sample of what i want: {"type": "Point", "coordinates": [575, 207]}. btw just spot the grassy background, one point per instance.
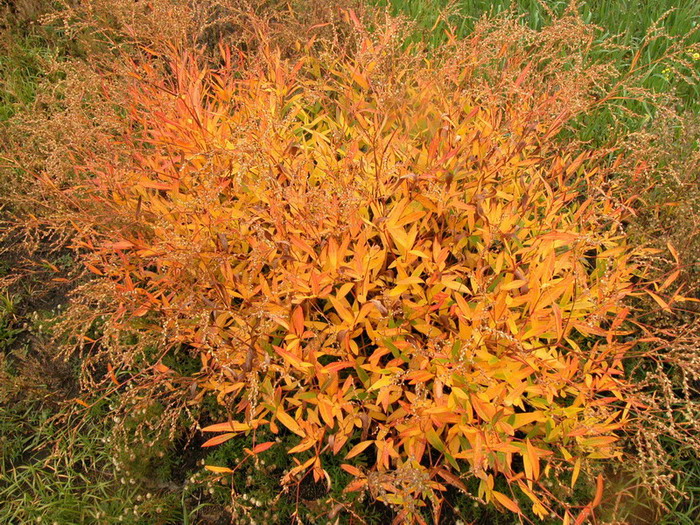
{"type": "Point", "coordinates": [628, 24]}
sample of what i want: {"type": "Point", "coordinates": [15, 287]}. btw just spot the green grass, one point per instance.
{"type": "Point", "coordinates": [61, 471]}
{"type": "Point", "coordinates": [636, 506]}
{"type": "Point", "coordinates": [624, 23]}
{"type": "Point", "coordinates": [631, 17]}
{"type": "Point", "coordinates": [22, 65]}
{"type": "Point", "coordinates": [684, 511]}
{"type": "Point", "coordinates": [627, 21]}
{"type": "Point", "coordinates": [59, 463]}
{"type": "Point", "coordinates": [9, 326]}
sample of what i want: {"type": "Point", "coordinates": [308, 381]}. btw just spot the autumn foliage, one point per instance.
{"type": "Point", "coordinates": [367, 255]}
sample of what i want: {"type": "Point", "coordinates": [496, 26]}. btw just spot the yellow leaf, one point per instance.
{"type": "Point", "coordinates": [358, 449]}
{"type": "Point", "coordinates": [534, 460]}
{"type": "Point", "coordinates": [525, 418]}
{"type": "Point", "coordinates": [457, 286]}
{"type": "Point", "coordinates": [289, 422]}
{"type": "Point", "coordinates": [401, 239]}
{"type": "Point", "coordinates": [576, 472]}
{"type": "Point", "coordinates": [305, 444]}
{"type": "Point", "coordinates": [410, 280]}
{"type": "Point", "coordinates": [514, 284]}
{"type": "Point", "coordinates": [611, 252]}
{"type": "Point", "coordinates": [345, 315]}
{"type": "Point", "coordinates": [506, 501]}
{"type": "Point", "coordinates": [673, 252]}
{"type": "Point", "coordinates": [299, 468]}
{"type": "Point", "coordinates": [293, 360]}
{"type": "Point", "coordinates": [360, 79]}
{"type": "Point", "coordinates": [663, 304]}
{"type": "Point", "coordinates": [218, 470]}
{"type": "Point", "coordinates": [381, 382]}
{"type": "Point", "coordinates": [599, 441]}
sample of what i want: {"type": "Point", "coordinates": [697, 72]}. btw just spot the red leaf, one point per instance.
{"type": "Point", "coordinates": [262, 447]}
{"type": "Point", "coordinates": [337, 366]}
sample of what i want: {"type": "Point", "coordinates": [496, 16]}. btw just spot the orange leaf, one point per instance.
{"type": "Point", "coordinates": [514, 284]}
{"type": "Point", "coordinates": [351, 470]}
{"type": "Point", "coordinates": [534, 460]}
{"type": "Point", "coordinates": [522, 75]}
{"type": "Point", "coordinates": [230, 426]}
{"type": "Point", "coordinates": [112, 376]}
{"type": "Point", "coordinates": [289, 422]}
{"type": "Point", "coordinates": [356, 485]}
{"type": "Point", "coordinates": [219, 439]}
{"type": "Point", "coordinates": [93, 269]}
{"type": "Point", "coordinates": [298, 321]}
{"type": "Point", "coordinates": [673, 252]}
{"type": "Point", "coordinates": [598, 491]}
{"type": "Point", "coordinates": [121, 245]}
{"type": "Point", "coordinates": [506, 501]}
{"type": "Point", "coordinates": [305, 444]}
{"type": "Point", "coordinates": [358, 449]}
{"type": "Point", "coordinates": [160, 367]}
{"type": "Point", "coordinates": [293, 360]}
{"type": "Point", "coordinates": [583, 516]}
{"type": "Point", "coordinates": [663, 304]}
{"type": "Point", "coordinates": [337, 366]}
{"type": "Point", "coordinates": [262, 447]}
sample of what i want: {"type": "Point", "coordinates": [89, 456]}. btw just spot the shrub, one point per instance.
{"type": "Point", "coordinates": [368, 255]}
